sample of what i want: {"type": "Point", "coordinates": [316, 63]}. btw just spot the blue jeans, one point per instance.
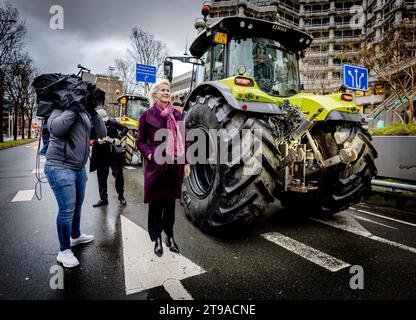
{"type": "Point", "coordinates": [69, 188]}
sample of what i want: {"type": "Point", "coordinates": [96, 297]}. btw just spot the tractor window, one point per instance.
{"type": "Point", "coordinates": [274, 68]}
{"type": "Point", "coordinates": [218, 62]}
{"type": "Point", "coordinates": [214, 65]}
{"type": "Point", "coordinates": [135, 108]}
{"type": "Point", "coordinates": [207, 67]}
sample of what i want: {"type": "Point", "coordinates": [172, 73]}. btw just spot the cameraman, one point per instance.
{"type": "Point", "coordinates": [67, 154]}
{"type": "Point", "coordinates": [106, 154]}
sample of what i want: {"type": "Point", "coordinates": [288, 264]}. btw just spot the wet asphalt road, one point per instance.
{"type": "Point", "coordinates": [240, 265]}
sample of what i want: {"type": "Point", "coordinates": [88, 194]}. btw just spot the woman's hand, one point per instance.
{"type": "Point", "coordinates": [149, 157]}
{"type": "Point", "coordinates": [187, 170]}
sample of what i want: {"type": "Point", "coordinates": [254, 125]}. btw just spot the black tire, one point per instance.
{"type": "Point", "coordinates": [341, 185]}
{"type": "Point", "coordinates": [129, 144]}
{"type": "Point", "coordinates": [221, 195]}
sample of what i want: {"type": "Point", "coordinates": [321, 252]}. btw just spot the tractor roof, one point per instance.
{"type": "Point", "coordinates": [292, 39]}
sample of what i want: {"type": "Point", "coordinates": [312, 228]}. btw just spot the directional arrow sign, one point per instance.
{"type": "Point", "coordinates": [354, 77]}
{"type": "Point", "coordinates": [145, 73]}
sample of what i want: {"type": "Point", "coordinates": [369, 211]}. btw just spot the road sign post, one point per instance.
{"type": "Point", "coordinates": [145, 73]}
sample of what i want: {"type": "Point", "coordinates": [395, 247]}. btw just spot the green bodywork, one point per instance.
{"type": "Point", "coordinates": [128, 122]}
{"type": "Point", "coordinates": [309, 103]}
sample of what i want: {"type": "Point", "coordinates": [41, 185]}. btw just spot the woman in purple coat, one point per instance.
{"type": "Point", "coordinates": [164, 163]}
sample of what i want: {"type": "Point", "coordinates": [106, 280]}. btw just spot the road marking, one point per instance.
{"type": "Point", "coordinates": [35, 171]}
{"type": "Point", "coordinates": [176, 290]}
{"type": "Point", "coordinates": [130, 168]}
{"type": "Point", "coordinates": [375, 222]}
{"type": "Point", "coordinates": [143, 270]}
{"type": "Point", "coordinates": [23, 195]}
{"type": "Point", "coordinates": [384, 217]}
{"type": "Point", "coordinates": [339, 225]}
{"type": "Point", "coordinates": [315, 256]}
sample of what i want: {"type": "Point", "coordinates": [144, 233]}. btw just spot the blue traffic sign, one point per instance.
{"type": "Point", "coordinates": [145, 73]}
{"type": "Point", "coordinates": [355, 78]}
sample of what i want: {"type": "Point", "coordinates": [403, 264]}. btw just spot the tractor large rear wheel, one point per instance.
{"type": "Point", "coordinates": [129, 144]}
{"type": "Point", "coordinates": [222, 193]}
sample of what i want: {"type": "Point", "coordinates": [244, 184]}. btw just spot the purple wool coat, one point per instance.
{"type": "Point", "coordinates": [161, 181]}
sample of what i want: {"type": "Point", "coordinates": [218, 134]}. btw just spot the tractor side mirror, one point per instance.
{"type": "Point", "coordinates": [168, 70]}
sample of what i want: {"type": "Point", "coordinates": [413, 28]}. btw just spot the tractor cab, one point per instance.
{"type": "Point", "coordinates": [265, 51]}
{"type": "Point", "coordinates": [131, 107]}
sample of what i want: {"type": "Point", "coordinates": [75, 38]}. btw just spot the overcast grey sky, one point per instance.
{"type": "Point", "coordinates": [96, 32]}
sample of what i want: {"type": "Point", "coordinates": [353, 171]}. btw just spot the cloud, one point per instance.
{"type": "Point", "coordinates": [96, 32]}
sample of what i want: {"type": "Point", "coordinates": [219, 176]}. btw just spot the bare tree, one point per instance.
{"type": "Point", "coordinates": [31, 106]}
{"type": "Point", "coordinates": [18, 89]}
{"type": "Point", "coordinates": [12, 32]}
{"type": "Point", "coordinates": [144, 49]}
{"type": "Point", "coordinates": [393, 60]}
{"type": "Point", "coordinates": [127, 73]}
{"type": "Point", "coordinates": [316, 72]}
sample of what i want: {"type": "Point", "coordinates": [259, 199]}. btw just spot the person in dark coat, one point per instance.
{"type": "Point", "coordinates": [106, 155]}
{"type": "Point", "coordinates": [164, 167]}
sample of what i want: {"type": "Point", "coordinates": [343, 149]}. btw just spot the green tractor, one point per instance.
{"type": "Point", "coordinates": [131, 107]}
{"type": "Point", "coordinates": [315, 154]}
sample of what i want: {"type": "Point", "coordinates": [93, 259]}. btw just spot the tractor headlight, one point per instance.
{"type": "Point", "coordinates": [241, 70]}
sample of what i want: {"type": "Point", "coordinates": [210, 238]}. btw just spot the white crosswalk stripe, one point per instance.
{"type": "Point", "coordinates": [23, 195]}
{"type": "Point", "coordinates": [374, 222]}
{"type": "Point", "coordinates": [143, 270]}
{"type": "Point", "coordinates": [336, 222]}
{"type": "Point", "coordinates": [130, 168]}
{"type": "Point", "coordinates": [384, 217]}
{"type": "Point", "coordinates": [315, 256]}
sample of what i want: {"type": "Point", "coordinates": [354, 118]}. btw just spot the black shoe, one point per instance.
{"type": "Point", "coordinates": [170, 242]}
{"type": "Point", "coordinates": [100, 203]}
{"type": "Point", "coordinates": [158, 247]}
{"type": "Point", "coordinates": [123, 201]}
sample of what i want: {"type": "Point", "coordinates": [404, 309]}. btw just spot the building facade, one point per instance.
{"type": "Point", "coordinates": [180, 86]}
{"type": "Point", "coordinates": [111, 85]}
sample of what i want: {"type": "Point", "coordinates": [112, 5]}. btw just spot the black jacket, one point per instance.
{"type": "Point", "coordinates": [103, 154]}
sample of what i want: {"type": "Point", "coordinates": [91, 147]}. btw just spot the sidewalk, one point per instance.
{"type": "Point", "coordinates": [10, 138]}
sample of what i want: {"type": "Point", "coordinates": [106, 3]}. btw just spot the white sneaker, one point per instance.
{"type": "Point", "coordinates": [67, 258]}
{"type": "Point", "coordinates": [83, 238]}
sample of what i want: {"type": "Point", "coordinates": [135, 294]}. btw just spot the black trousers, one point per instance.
{"type": "Point", "coordinates": [102, 175]}
{"type": "Point", "coordinates": [161, 217]}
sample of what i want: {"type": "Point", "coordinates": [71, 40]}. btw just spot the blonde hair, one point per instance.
{"type": "Point", "coordinates": [152, 93]}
